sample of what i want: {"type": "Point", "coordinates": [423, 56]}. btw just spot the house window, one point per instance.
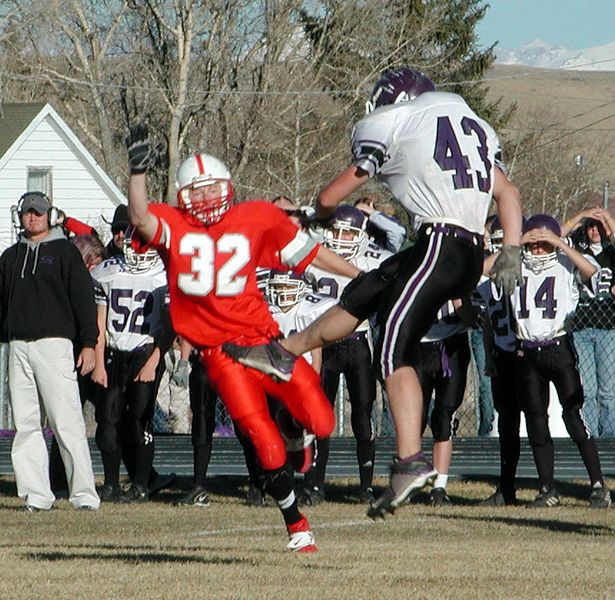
{"type": "Point", "coordinates": [39, 180]}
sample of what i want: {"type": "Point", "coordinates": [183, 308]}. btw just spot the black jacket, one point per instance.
{"type": "Point", "coordinates": [46, 291]}
{"type": "Point", "coordinates": [598, 310]}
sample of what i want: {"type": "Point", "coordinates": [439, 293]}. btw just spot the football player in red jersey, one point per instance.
{"type": "Point", "coordinates": [211, 248]}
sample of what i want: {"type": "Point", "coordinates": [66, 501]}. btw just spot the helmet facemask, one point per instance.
{"type": "Point", "coordinates": [139, 262]}
{"type": "Point", "coordinates": [537, 263]}
{"type": "Point", "coordinates": [337, 239]}
{"type": "Point", "coordinates": [212, 207]}
{"type": "Point", "coordinates": [496, 240]}
{"type": "Point", "coordinates": [285, 290]}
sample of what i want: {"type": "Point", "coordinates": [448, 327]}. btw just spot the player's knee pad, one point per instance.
{"type": "Point", "coordinates": [107, 438]}
{"type": "Point", "coordinates": [537, 430]}
{"type": "Point", "coordinates": [574, 424]}
{"type": "Point", "coordinates": [264, 436]}
{"type": "Point", "coordinates": [362, 426]}
{"type": "Point", "coordinates": [279, 484]}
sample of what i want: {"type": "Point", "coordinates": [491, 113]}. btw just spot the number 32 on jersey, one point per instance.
{"type": "Point", "coordinates": [203, 277]}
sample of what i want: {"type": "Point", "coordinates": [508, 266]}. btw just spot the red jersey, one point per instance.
{"type": "Point", "coordinates": [212, 269]}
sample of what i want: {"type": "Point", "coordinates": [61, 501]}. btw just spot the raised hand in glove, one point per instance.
{"type": "Point", "coordinates": [506, 271]}
{"type": "Point", "coordinates": [141, 154]}
{"type": "Point", "coordinates": [181, 373]}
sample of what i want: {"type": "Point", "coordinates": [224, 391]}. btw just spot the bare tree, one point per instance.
{"type": "Point", "coordinates": [542, 164]}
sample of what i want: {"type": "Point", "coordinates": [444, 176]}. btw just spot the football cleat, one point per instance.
{"type": "Point", "coordinates": [134, 495]}
{"type": "Point", "coordinates": [366, 496]}
{"type": "Point", "coordinates": [271, 359]}
{"type": "Point", "coordinates": [197, 496]}
{"type": "Point", "coordinates": [407, 478]}
{"type": "Point", "coordinates": [110, 493]}
{"type": "Point", "coordinates": [600, 497]}
{"type": "Point", "coordinates": [301, 538]}
{"type": "Point", "coordinates": [439, 497]}
{"type": "Point", "coordinates": [499, 498]}
{"type": "Point", "coordinates": [312, 496]}
{"type": "Point", "coordinates": [29, 508]}
{"type": "Point", "coordinates": [255, 496]}
{"type": "Point", "coordinates": [547, 498]}
{"type": "Point", "coordinates": [160, 482]}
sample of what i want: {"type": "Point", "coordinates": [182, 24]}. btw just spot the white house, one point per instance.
{"type": "Point", "coordinates": [39, 152]}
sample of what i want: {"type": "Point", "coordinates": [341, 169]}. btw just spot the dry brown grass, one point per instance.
{"type": "Point", "coordinates": [228, 550]}
{"type": "Point", "coordinates": [566, 100]}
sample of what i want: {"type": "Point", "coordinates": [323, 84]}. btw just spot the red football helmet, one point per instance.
{"type": "Point", "coordinates": [204, 189]}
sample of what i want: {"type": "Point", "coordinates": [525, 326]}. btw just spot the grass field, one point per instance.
{"type": "Point", "coordinates": [228, 550]}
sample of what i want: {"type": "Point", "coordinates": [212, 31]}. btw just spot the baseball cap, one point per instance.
{"type": "Point", "coordinates": [36, 201]}
{"type": "Point", "coordinates": [120, 220]}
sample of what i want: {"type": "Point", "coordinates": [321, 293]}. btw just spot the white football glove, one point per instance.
{"type": "Point", "coordinates": [181, 373]}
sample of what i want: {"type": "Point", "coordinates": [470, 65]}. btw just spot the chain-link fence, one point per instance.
{"type": "Point", "coordinates": [594, 340]}
{"type": "Point", "coordinates": [476, 416]}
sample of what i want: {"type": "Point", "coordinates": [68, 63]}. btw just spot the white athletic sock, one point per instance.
{"type": "Point", "coordinates": [441, 481]}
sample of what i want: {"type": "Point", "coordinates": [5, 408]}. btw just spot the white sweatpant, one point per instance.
{"type": "Point", "coordinates": [43, 381]}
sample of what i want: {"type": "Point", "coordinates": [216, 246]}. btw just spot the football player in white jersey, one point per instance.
{"type": "Point", "coordinates": [345, 234]}
{"type": "Point", "coordinates": [544, 306]}
{"type": "Point", "coordinates": [441, 364]}
{"type": "Point", "coordinates": [502, 349]}
{"type": "Point", "coordinates": [439, 161]}
{"type": "Point", "coordinates": [130, 293]}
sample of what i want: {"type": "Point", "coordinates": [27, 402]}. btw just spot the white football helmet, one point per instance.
{"type": "Point", "coordinates": [496, 236]}
{"type": "Point", "coordinates": [197, 173]}
{"type": "Point", "coordinates": [138, 262]}
{"type": "Point", "coordinates": [345, 219]}
{"type": "Point", "coordinates": [285, 288]}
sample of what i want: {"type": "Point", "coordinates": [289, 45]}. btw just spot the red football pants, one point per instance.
{"type": "Point", "coordinates": [244, 392]}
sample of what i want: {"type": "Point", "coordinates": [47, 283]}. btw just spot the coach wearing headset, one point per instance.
{"type": "Point", "coordinates": [46, 304]}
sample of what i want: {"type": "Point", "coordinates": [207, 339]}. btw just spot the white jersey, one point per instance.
{"type": "Point", "coordinates": [446, 324]}
{"type": "Point", "coordinates": [434, 154]}
{"type": "Point", "coordinates": [135, 302]}
{"type": "Point", "coordinates": [301, 315]}
{"type": "Point", "coordinates": [500, 313]}
{"type": "Point", "coordinates": [545, 304]}
{"type": "Point", "coordinates": [330, 285]}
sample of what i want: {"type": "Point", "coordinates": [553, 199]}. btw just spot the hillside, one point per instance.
{"type": "Point", "coordinates": [570, 100]}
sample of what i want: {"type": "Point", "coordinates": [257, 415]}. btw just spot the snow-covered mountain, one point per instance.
{"type": "Point", "coordinates": [540, 54]}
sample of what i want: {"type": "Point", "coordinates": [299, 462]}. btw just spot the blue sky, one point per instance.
{"type": "Point", "coordinates": [575, 24]}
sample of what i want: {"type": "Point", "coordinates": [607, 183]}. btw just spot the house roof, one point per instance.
{"type": "Point", "coordinates": [17, 121]}
{"type": "Point", "coordinates": [14, 119]}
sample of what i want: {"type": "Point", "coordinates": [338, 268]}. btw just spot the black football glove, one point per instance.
{"type": "Point", "coordinates": [506, 271]}
{"type": "Point", "coordinates": [141, 154]}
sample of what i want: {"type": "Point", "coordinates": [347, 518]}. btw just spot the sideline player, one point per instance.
{"type": "Point", "coordinates": [212, 248]}
{"type": "Point", "coordinates": [345, 233]}
{"type": "Point", "coordinates": [544, 307]}
{"type": "Point", "coordinates": [441, 365]}
{"type": "Point", "coordinates": [438, 159]}
{"type": "Point", "coordinates": [501, 350]}
{"type": "Point", "coordinates": [130, 292]}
